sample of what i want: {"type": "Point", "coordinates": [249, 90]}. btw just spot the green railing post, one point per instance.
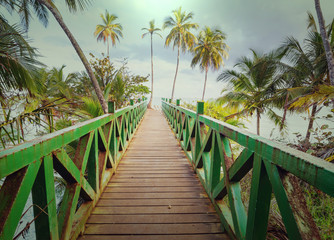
{"type": "Point", "coordinates": [111, 107]}
{"type": "Point", "coordinates": [170, 100]}
{"type": "Point", "coordinates": [177, 102]}
{"type": "Point", "coordinates": [138, 100]}
{"type": "Point", "coordinates": [131, 102]}
{"type": "Point", "coordinates": [200, 107]}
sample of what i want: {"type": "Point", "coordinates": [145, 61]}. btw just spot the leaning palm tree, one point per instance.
{"type": "Point", "coordinates": [24, 7]}
{"type": "Point", "coordinates": [108, 29]}
{"type": "Point", "coordinates": [252, 86]}
{"type": "Point", "coordinates": [180, 35]}
{"type": "Point", "coordinates": [325, 41]}
{"type": "Point", "coordinates": [152, 30]}
{"type": "Point", "coordinates": [210, 51]}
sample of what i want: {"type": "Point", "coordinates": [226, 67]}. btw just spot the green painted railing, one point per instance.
{"type": "Point", "coordinates": [275, 169]}
{"type": "Point", "coordinates": [29, 168]}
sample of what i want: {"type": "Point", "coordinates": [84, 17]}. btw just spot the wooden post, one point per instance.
{"type": "Point", "coordinates": [111, 107]}
{"type": "Point", "coordinates": [200, 107]}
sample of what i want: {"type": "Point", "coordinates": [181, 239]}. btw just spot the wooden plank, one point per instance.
{"type": "Point", "coordinates": [185, 228]}
{"type": "Point", "coordinates": [153, 189]}
{"type": "Point", "coordinates": [154, 195]}
{"type": "Point", "coordinates": [155, 237]}
{"type": "Point", "coordinates": [154, 209]}
{"type": "Point", "coordinates": [153, 202]}
{"type": "Point", "coordinates": [154, 218]}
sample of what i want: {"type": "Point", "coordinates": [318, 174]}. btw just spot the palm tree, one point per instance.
{"type": "Point", "coordinates": [328, 49]}
{"type": "Point", "coordinates": [310, 67]}
{"type": "Point", "coordinates": [108, 29]}
{"type": "Point", "coordinates": [252, 86]}
{"type": "Point", "coordinates": [180, 35]}
{"type": "Point", "coordinates": [17, 60]}
{"type": "Point", "coordinates": [23, 7]}
{"type": "Point", "coordinates": [152, 30]}
{"type": "Point", "coordinates": [210, 51]}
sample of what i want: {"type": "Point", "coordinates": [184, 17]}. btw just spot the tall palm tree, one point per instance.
{"type": "Point", "coordinates": [180, 35]}
{"type": "Point", "coordinates": [24, 7]}
{"type": "Point", "coordinates": [328, 49]}
{"type": "Point", "coordinates": [210, 51]}
{"type": "Point", "coordinates": [252, 86]}
{"type": "Point", "coordinates": [151, 30]}
{"type": "Point", "coordinates": [108, 29]}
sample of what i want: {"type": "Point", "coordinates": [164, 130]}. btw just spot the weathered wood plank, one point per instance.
{"type": "Point", "coordinates": [154, 209]}
{"type": "Point", "coordinates": [154, 218]}
{"type": "Point", "coordinates": [181, 228]}
{"type": "Point", "coordinates": [155, 237]}
{"type": "Point", "coordinates": [154, 195]}
{"type": "Point", "coordinates": [141, 189]}
{"type": "Point", "coordinates": [153, 202]}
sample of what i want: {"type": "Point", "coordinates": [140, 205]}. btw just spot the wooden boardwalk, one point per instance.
{"type": "Point", "coordinates": [154, 194]}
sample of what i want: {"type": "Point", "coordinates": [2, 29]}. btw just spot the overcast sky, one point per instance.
{"type": "Point", "coordinates": [258, 24]}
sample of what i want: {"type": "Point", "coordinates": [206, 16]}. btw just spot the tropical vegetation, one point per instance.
{"type": "Point", "coordinates": [151, 30]}
{"type": "Point", "coordinates": [108, 29]}
{"type": "Point", "coordinates": [180, 35]}
{"type": "Point", "coordinates": [210, 51]}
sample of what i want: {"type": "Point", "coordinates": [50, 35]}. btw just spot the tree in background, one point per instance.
{"type": "Point", "coordinates": [24, 9]}
{"type": "Point", "coordinates": [17, 61]}
{"type": "Point", "coordinates": [108, 29]}
{"type": "Point", "coordinates": [308, 65]}
{"type": "Point", "coordinates": [210, 51]}
{"type": "Point", "coordinates": [325, 41]}
{"type": "Point", "coordinates": [180, 35]}
{"type": "Point", "coordinates": [151, 30]}
{"type": "Point", "coordinates": [252, 87]}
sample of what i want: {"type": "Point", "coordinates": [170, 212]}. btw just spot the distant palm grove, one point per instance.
{"type": "Point", "coordinates": [295, 78]}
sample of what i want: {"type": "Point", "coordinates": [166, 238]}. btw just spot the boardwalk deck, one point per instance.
{"type": "Point", "coordinates": [154, 194]}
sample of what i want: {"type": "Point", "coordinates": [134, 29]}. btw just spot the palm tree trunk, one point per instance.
{"type": "Point", "coordinates": [329, 53]}
{"type": "Point", "coordinates": [285, 110]}
{"type": "Point", "coordinates": [206, 77]}
{"type": "Point", "coordinates": [80, 53]}
{"type": "Point", "coordinates": [177, 68]}
{"type": "Point", "coordinates": [150, 103]}
{"type": "Point", "coordinates": [258, 116]}
{"type": "Point", "coordinates": [310, 124]}
{"type": "Point", "coordinates": [108, 47]}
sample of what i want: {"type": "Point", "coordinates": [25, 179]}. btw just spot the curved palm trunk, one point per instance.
{"type": "Point", "coordinates": [285, 110]}
{"type": "Point", "coordinates": [177, 68]}
{"type": "Point", "coordinates": [151, 98]}
{"type": "Point", "coordinates": [310, 124]}
{"type": "Point", "coordinates": [108, 47]}
{"type": "Point", "coordinates": [329, 54]}
{"type": "Point", "coordinates": [258, 116]}
{"type": "Point", "coordinates": [206, 77]}
{"type": "Point", "coordinates": [80, 53]}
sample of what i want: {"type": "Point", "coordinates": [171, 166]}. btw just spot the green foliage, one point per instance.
{"type": "Point", "coordinates": [17, 61]}
{"type": "Point", "coordinates": [217, 111]}
{"type": "Point", "coordinates": [180, 34]}
{"type": "Point", "coordinates": [108, 29]}
{"type": "Point", "coordinates": [321, 209]}
{"type": "Point", "coordinates": [210, 50]}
